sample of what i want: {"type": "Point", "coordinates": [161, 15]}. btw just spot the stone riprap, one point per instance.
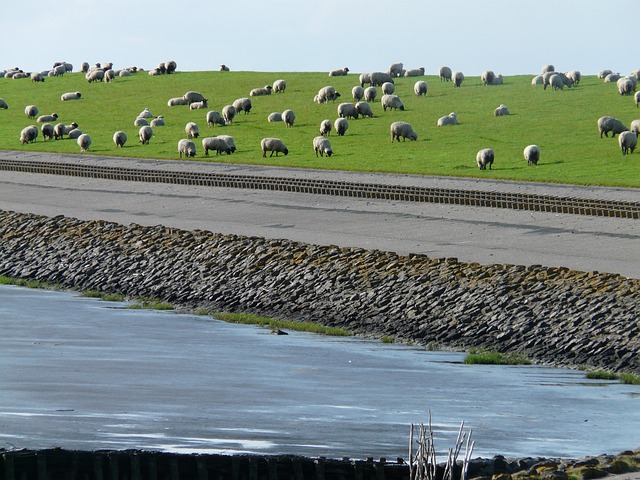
{"type": "Point", "coordinates": [551, 315]}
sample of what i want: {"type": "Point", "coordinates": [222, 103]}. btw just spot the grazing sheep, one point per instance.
{"type": "Point", "coordinates": [279, 86]}
{"type": "Point", "coordinates": [274, 117]}
{"type": "Point", "coordinates": [3, 104]}
{"type": "Point", "coordinates": [37, 77]}
{"type": "Point", "coordinates": [575, 76]}
{"type": "Point", "coordinates": [243, 105]}
{"type": "Point", "coordinates": [612, 77]}
{"type": "Point", "coordinates": [364, 109]}
{"type": "Point", "coordinates": [628, 142]}
{"type": "Point", "coordinates": [415, 72]}
{"type": "Point", "coordinates": [214, 118]}
{"type": "Point", "coordinates": [84, 142]}
{"type": "Point", "coordinates": [537, 80]}
{"type": "Point", "coordinates": [347, 110]}
{"type": "Point", "coordinates": [556, 82]}
{"type": "Point", "coordinates": [625, 86]}
{"type": "Point", "coordinates": [341, 125]}
{"type": "Point", "coordinates": [28, 134]}
{"type": "Point", "coordinates": [325, 128]}
{"type": "Point", "coordinates": [391, 102]}
{"type": "Point", "coordinates": [60, 129]}
{"type": "Point", "coordinates": [635, 127]}
{"type": "Point", "coordinates": [47, 131]}
{"type": "Point", "coordinates": [636, 73]}
{"type": "Point", "coordinates": [288, 117]}
{"type": "Point", "coordinates": [445, 74]}
{"type": "Point", "coordinates": [47, 118]}
{"type": "Point", "coordinates": [326, 94]}
{"type": "Point", "coordinates": [157, 122]}
{"type": "Point", "coordinates": [170, 66]}
{"type": "Point", "coordinates": [458, 78]}
{"type": "Point", "coordinates": [546, 78]}
{"type": "Point", "coordinates": [339, 73]}
{"type": "Point", "coordinates": [273, 145]}
{"type": "Point", "coordinates": [258, 92]}
{"type": "Point", "coordinates": [498, 79]}
{"type": "Point", "coordinates": [485, 157]}
{"type": "Point", "coordinates": [224, 68]}
{"type": "Point", "coordinates": [145, 133]}
{"type": "Point", "coordinates": [215, 143]}
{"type": "Point", "coordinates": [378, 78]}
{"type": "Point", "coordinates": [636, 98]}
{"type": "Point", "coordinates": [602, 74]}
{"type": "Point", "coordinates": [634, 81]}
{"type": "Point", "coordinates": [404, 130]}
{"type": "Point", "coordinates": [228, 114]}
{"type": "Point", "coordinates": [388, 88]}
{"type": "Point", "coordinates": [140, 122]}
{"type": "Point", "coordinates": [75, 133]}
{"type": "Point", "coordinates": [187, 148]}
{"type": "Point", "coordinates": [191, 129]}
{"type": "Point", "coordinates": [420, 87]}
{"type": "Point", "coordinates": [357, 93]}
{"type": "Point", "coordinates": [364, 78]}
{"type": "Point", "coordinates": [172, 102]}
{"type": "Point", "coordinates": [532, 154]}
{"type": "Point", "coordinates": [451, 119]}
{"type": "Point", "coordinates": [501, 110]}
{"type": "Point", "coordinates": [96, 75]}
{"type": "Point", "coordinates": [31, 111]}
{"type": "Point", "coordinates": [370, 94]}
{"type": "Point", "coordinates": [548, 68]}
{"type": "Point", "coordinates": [395, 69]}
{"type": "Point", "coordinates": [608, 124]}
{"type": "Point", "coordinates": [198, 105]}
{"type": "Point", "coordinates": [231, 143]}
{"type": "Point", "coordinates": [322, 146]}
{"type": "Point", "coordinates": [70, 96]}
{"type": "Point", "coordinates": [84, 68]}
{"type": "Point", "coordinates": [487, 77]}
{"type": "Point", "coordinates": [119, 138]}
{"type": "Point", "coordinates": [109, 75]}
{"type": "Point", "coordinates": [192, 97]}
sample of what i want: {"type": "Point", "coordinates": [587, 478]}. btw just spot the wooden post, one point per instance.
{"type": "Point", "coordinates": [41, 461]}
{"type": "Point", "coordinates": [136, 474]}
{"type": "Point", "coordinates": [153, 467]}
{"type": "Point", "coordinates": [253, 468]}
{"type": "Point", "coordinates": [113, 466]}
{"type": "Point", "coordinates": [235, 468]}
{"type": "Point", "coordinates": [97, 466]}
{"type": "Point", "coordinates": [9, 470]}
{"type": "Point", "coordinates": [201, 466]}
{"type": "Point", "coordinates": [320, 468]}
{"type": "Point", "coordinates": [379, 468]}
{"type": "Point", "coordinates": [297, 469]}
{"type": "Point", "coordinates": [273, 469]}
{"type": "Point", "coordinates": [174, 471]}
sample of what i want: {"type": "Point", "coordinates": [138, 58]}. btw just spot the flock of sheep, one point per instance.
{"type": "Point", "coordinates": [361, 106]}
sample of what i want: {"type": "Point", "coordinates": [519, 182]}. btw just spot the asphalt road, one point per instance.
{"type": "Point", "coordinates": [479, 234]}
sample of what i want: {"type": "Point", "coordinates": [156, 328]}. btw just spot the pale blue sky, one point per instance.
{"type": "Point", "coordinates": [506, 36]}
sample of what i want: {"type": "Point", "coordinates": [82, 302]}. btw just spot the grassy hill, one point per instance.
{"type": "Point", "coordinates": [562, 123]}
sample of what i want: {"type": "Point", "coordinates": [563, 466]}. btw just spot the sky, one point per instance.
{"type": "Point", "coordinates": [510, 37]}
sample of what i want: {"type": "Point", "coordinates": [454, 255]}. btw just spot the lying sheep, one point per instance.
{"type": "Point", "coordinates": [172, 102]}
{"type": "Point", "coordinates": [451, 119]}
{"type": "Point", "coordinates": [370, 94]}
{"type": "Point", "coordinates": [357, 93]}
{"type": "Point", "coordinates": [187, 148]}
{"type": "Point", "coordinates": [458, 78]}
{"type": "Point", "coordinates": [498, 79]}
{"type": "Point", "coordinates": [198, 105]}
{"type": "Point", "coordinates": [395, 69]}
{"type": "Point", "coordinates": [625, 86]}
{"type": "Point", "coordinates": [140, 122]}
{"type": "Point", "coordinates": [274, 117]}
{"type": "Point", "coordinates": [242, 105]}
{"type": "Point", "coordinates": [322, 146]}
{"type": "Point", "coordinates": [47, 131]}
{"type": "Point", "coordinates": [341, 125]}
{"type": "Point", "coordinates": [608, 124]}
{"type": "Point", "coordinates": [157, 122]}
{"type": "Point", "coordinates": [231, 143]}
{"type": "Point", "coordinates": [537, 80]}
{"type": "Point", "coordinates": [3, 104]}
{"type": "Point", "coordinates": [501, 111]}
{"type": "Point", "coordinates": [47, 118]}
{"type": "Point", "coordinates": [273, 145]}
{"type": "Point", "coordinates": [75, 133]}
{"type": "Point", "coordinates": [215, 144]}
{"type": "Point", "coordinates": [532, 154]}
{"type": "Point", "coordinates": [415, 72]}
{"type": "Point", "coordinates": [420, 87]}
{"type": "Point", "coordinates": [325, 128]}
{"type": "Point", "coordinates": [258, 92]}
{"type": "Point", "coordinates": [364, 109]}
{"type": "Point", "coordinates": [145, 133]}
{"type": "Point", "coordinates": [37, 77]}
{"type": "Point", "coordinates": [70, 96]}
{"type": "Point", "coordinates": [445, 74]}
{"type": "Point", "coordinates": [28, 134]}
{"type": "Point", "coordinates": [84, 142]}
{"type": "Point", "coordinates": [485, 157]}
{"type": "Point", "coordinates": [388, 88]}
{"type": "Point", "coordinates": [628, 142]}
{"type": "Point", "coordinates": [635, 127]}
{"type": "Point", "coordinates": [119, 138]}
{"type": "Point", "coordinates": [228, 114]}
{"type": "Point", "coordinates": [191, 129]}
{"type": "Point", "coordinates": [487, 77]}
{"type": "Point", "coordinates": [326, 94]}
{"type": "Point", "coordinates": [279, 86]}
{"type": "Point", "coordinates": [339, 73]}
{"type": "Point", "coordinates": [146, 113]}
{"type": "Point", "coordinates": [288, 117]}
{"type": "Point", "coordinates": [378, 78]}
{"type": "Point", "coordinates": [214, 118]}
{"type": "Point", "coordinates": [31, 111]}
{"type": "Point", "coordinates": [347, 110]}
{"type": "Point", "coordinates": [391, 102]}
{"type": "Point", "coordinates": [404, 130]}
{"type": "Point", "coordinates": [192, 97]}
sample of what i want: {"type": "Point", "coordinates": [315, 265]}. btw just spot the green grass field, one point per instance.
{"type": "Point", "coordinates": [562, 123]}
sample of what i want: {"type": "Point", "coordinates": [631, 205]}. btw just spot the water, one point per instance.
{"type": "Point", "coordinates": [85, 374]}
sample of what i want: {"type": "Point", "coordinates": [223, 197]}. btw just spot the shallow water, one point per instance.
{"type": "Point", "coordinates": [85, 374]}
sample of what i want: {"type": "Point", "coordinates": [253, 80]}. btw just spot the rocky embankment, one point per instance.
{"type": "Point", "coordinates": [552, 315]}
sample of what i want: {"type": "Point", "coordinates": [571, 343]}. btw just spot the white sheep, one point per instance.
{"type": "Point", "coordinates": [341, 126]}
{"type": "Point", "coordinates": [391, 102]}
{"type": "Point", "coordinates": [498, 79]}
{"type": "Point", "coordinates": [214, 118]}
{"type": "Point", "coordinates": [119, 138]}
{"type": "Point", "coordinates": [96, 75]}
{"type": "Point", "coordinates": [124, 73]}
{"type": "Point", "coordinates": [357, 93]}
{"type": "Point", "coordinates": [109, 75]}
{"type": "Point", "coordinates": [415, 72]}
{"type": "Point", "coordinates": [31, 111]}
{"type": "Point", "coordinates": [404, 130]}
{"type": "Point", "coordinates": [215, 143]}
{"type": "Point", "coordinates": [70, 96]}
{"type": "Point", "coordinates": [192, 96]}
{"type": "Point", "coordinates": [420, 87]}
{"type": "Point", "coordinates": [458, 78]}
{"type": "Point", "coordinates": [364, 109]}
{"type": "Point", "coordinates": [378, 78]}
{"type": "Point", "coordinates": [3, 104]}
{"type": "Point", "coordinates": [145, 133]}
{"type": "Point", "coordinates": [186, 147]}
{"type": "Point", "coordinates": [140, 122]}
{"type": "Point", "coordinates": [370, 94]}
{"type": "Point", "coordinates": [556, 82]}
{"type": "Point", "coordinates": [273, 145]}
{"type": "Point", "coordinates": [635, 127]}
{"type": "Point", "coordinates": [37, 77]}
{"type": "Point", "coordinates": [501, 110]}
{"type": "Point", "coordinates": [157, 122]}
{"type": "Point", "coordinates": [279, 86]}
{"type": "Point", "coordinates": [485, 157]}
{"type": "Point", "coordinates": [364, 78]}
{"type": "Point", "coordinates": [612, 77]}
{"type": "Point", "coordinates": [28, 134]}
{"type": "Point", "coordinates": [191, 129]}
{"type": "Point", "coordinates": [339, 73]}
{"type": "Point", "coordinates": [395, 69]}
{"type": "Point", "coordinates": [172, 102]}
{"type": "Point", "coordinates": [258, 92]}
{"type": "Point", "coordinates": [199, 105]}
{"type": "Point", "coordinates": [325, 127]}
{"type": "Point", "coordinates": [84, 142]}
{"type": "Point", "coordinates": [47, 118]}
{"type": "Point", "coordinates": [146, 113]}
{"type": "Point", "coordinates": [229, 113]}
{"type": "Point", "coordinates": [326, 94]}
{"type": "Point", "coordinates": [322, 146]}
{"type": "Point", "coordinates": [231, 143]}
{"type": "Point", "coordinates": [636, 73]}
{"type": "Point", "coordinates": [532, 154]}
{"type": "Point", "coordinates": [347, 110]}
{"type": "Point", "coordinates": [575, 76]}
{"type": "Point", "coordinates": [445, 74]}
{"type": "Point", "coordinates": [602, 74]}
{"type": "Point", "coordinates": [274, 117]}
{"type": "Point", "coordinates": [487, 77]}
{"type": "Point", "coordinates": [537, 80]}
{"type": "Point", "coordinates": [170, 66]}
{"type": "Point", "coordinates": [451, 119]}
{"type": "Point", "coordinates": [242, 105]}
{"type": "Point", "coordinates": [636, 98]}
{"type": "Point", "coordinates": [47, 131]}
{"type": "Point", "coordinates": [548, 68]}
{"type": "Point", "coordinates": [288, 117]}
{"type": "Point", "coordinates": [75, 133]}
{"type": "Point", "coordinates": [628, 142]}
{"type": "Point", "coordinates": [60, 129]}
{"type": "Point", "coordinates": [388, 88]}
{"type": "Point", "coordinates": [608, 124]}
{"type": "Point", "coordinates": [625, 86]}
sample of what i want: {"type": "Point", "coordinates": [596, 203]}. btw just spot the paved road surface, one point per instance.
{"type": "Point", "coordinates": [485, 235]}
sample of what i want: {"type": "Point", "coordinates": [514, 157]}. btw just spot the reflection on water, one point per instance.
{"type": "Point", "coordinates": [78, 373]}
